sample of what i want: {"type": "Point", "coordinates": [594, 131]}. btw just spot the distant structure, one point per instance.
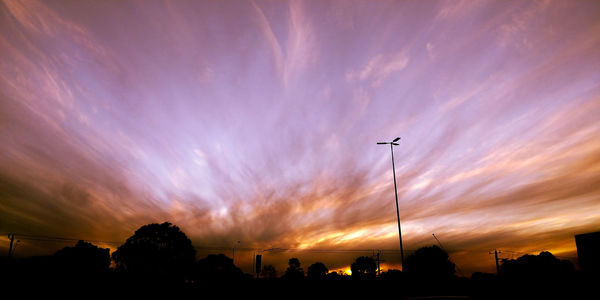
{"type": "Point", "coordinates": [588, 253]}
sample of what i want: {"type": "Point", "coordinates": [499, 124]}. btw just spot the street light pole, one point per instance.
{"type": "Point", "coordinates": [392, 144]}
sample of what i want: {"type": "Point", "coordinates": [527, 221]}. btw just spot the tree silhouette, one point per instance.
{"type": "Point", "coordinates": [156, 250]}
{"type": "Point", "coordinates": [317, 271]}
{"type": "Point", "coordinates": [541, 267]}
{"type": "Point", "coordinates": [217, 267]}
{"type": "Point", "coordinates": [293, 272]}
{"type": "Point", "coordinates": [332, 276]}
{"type": "Point", "coordinates": [269, 272]}
{"type": "Point", "coordinates": [83, 259]}
{"type": "Point", "coordinates": [391, 275]}
{"type": "Point", "coordinates": [363, 267]}
{"type": "Point", "coordinates": [429, 262]}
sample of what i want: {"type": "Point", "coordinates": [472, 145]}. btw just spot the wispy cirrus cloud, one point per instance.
{"type": "Point", "coordinates": [379, 68]}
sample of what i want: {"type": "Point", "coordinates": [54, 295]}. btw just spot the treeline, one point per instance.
{"type": "Point", "coordinates": [161, 255]}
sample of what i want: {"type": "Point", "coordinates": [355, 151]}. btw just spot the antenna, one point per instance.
{"type": "Point", "coordinates": [441, 246]}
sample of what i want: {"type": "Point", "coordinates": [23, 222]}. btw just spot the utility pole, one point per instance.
{"type": "Point", "coordinates": [379, 261]}
{"type": "Point", "coordinates": [392, 144]}
{"type": "Point", "coordinates": [11, 236]}
{"type": "Point", "coordinates": [378, 265]}
{"type": "Point", "coordinates": [496, 257]}
{"type": "Point", "coordinates": [233, 256]}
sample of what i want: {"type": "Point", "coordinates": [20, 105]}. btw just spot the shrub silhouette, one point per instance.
{"type": "Point", "coordinates": [391, 275]}
{"type": "Point", "coordinates": [156, 250]}
{"type": "Point", "coordinates": [429, 262]}
{"type": "Point", "coordinates": [332, 276]}
{"type": "Point", "coordinates": [83, 259]}
{"type": "Point", "coordinates": [363, 267]}
{"type": "Point", "coordinates": [216, 267]}
{"type": "Point", "coordinates": [293, 272]}
{"type": "Point", "coordinates": [269, 272]}
{"type": "Point", "coordinates": [317, 271]}
{"type": "Point", "coordinates": [541, 267]}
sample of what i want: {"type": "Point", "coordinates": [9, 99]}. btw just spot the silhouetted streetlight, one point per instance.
{"type": "Point", "coordinates": [392, 144]}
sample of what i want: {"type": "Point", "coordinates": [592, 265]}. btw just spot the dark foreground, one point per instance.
{"type": "Point", "coordinates": [118, 285]}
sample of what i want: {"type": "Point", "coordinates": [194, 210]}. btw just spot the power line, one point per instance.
{"type": "Point", "coordinates": [496, 258]}
{"type": "Point", "coordinates": [333, 250]}
{"type": "Point", "coordinates": [46, 238]}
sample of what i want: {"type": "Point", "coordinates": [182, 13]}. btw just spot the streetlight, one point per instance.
{"type": "Point", "coordinates": [392, 144]}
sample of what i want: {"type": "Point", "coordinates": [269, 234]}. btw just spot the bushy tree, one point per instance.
{"type": "Point", "coordinates": [391, 275]}
{"type": "Point", "coordinates": [83, 258]}
{"type": "Point", "coordinates": [317, 271]}
{"type": "Point", "coordinates": [217, 267]}
{"type": "Point", "coordinates": [363, 267]}
{"type": "Point", "coordinates": [293, 272]}
{"type": "Point", "coordinates": [332, 276]}
{"type": "Point", "coordinates": [156, 250]}
{"type": "Point", "coordinates": [541, 267]}
{"type": "Point", "coordinates": [429, 262]}
{"type": "Point", "coordinates": [269, 272]}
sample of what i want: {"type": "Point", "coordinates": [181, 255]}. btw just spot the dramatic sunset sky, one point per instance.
{"type": "Point", "coordinates": [258, 122]}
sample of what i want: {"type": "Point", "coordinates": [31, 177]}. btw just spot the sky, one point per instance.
{"type": "Point", "coordinates": [257, 122]}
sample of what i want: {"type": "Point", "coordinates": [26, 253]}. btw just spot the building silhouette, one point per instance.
{"type": "Point", "coordinates": [588, 253]}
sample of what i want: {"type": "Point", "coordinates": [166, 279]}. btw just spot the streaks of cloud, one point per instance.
{"type": "Point", "coordinates": [258, 121]}
{"type": "Point", "coordinates": [379, 68]}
